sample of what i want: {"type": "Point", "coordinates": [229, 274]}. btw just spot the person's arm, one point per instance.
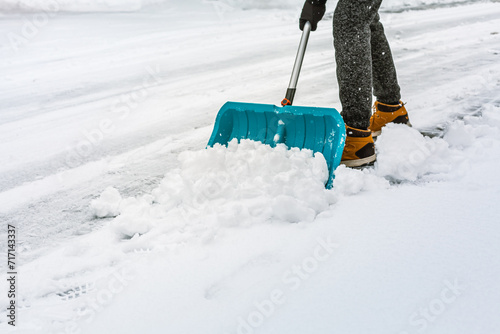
{"type": "Point", "coordinates": [313, 12]}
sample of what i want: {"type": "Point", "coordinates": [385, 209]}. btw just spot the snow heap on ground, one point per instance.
{"type": "Point", "coordinates": [219, 187]}
{"type": "Point", "coordinates": [252, 183]}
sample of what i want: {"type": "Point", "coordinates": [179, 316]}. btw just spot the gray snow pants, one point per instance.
{"type": "Point", "coordinates": [364, 60]}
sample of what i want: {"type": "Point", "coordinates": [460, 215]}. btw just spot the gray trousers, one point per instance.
{"type": "Point", "coordinates": [364, 60]}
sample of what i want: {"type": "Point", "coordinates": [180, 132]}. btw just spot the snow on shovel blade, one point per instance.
{"type": "Point", "coordinates": [318, 129]}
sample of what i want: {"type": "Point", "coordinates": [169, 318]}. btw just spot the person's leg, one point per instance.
{"type": "Point", "coordinates": [385, 81]}
{"type": "Point", "coordinates": [352, 41]}
{"type": "Point", "coordinates": [388, 107]}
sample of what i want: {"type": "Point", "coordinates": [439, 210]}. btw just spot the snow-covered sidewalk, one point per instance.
{"type": "Point", "coordinates": [127, 224]}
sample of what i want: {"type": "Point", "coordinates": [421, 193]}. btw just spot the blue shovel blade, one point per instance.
{"type": "Point", "coordinates": [318, 129]}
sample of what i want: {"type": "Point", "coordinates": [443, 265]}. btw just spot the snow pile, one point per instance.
{"type": "Point", "coordinates": [239, 185]}
{"type": "Point", "coordinates": [108, 204]}
{"type": "Point", "coordinates": [251, 183]}
{"type": "Point", "coordinates": [404, 154]}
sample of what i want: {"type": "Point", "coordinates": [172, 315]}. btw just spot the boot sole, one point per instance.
{"type": "Point", "coordinates": [359, 162]}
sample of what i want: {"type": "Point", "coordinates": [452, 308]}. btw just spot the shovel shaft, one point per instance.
{"type": "Point", "coordinates": [292, 86]}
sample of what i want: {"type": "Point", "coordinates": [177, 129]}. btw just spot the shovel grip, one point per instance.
{"type": "Point", "coordinates": [290, 94]}
{"type": "Point", "coordinates": [292, 86]}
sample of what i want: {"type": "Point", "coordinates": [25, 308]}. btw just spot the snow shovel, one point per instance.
{"type": "Point", "coordinates": [318, 129]}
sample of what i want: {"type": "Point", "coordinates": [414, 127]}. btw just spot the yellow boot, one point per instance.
{"type": "Point", "coordinates": [359, 149]}
{"type": "Point", "coordinates": [387, 113]}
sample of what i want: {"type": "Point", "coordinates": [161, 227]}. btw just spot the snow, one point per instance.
{"type": "Point", "coordinates": [127, 223]}
{"type": "Point", "coordinates": [220, 5]}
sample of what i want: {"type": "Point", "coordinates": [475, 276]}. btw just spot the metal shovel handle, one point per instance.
{"type": "Point", "coordinates": [292, 86]}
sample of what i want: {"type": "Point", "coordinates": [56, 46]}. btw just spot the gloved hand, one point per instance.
{"type": "Point", "coordinates": [313, 12]}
